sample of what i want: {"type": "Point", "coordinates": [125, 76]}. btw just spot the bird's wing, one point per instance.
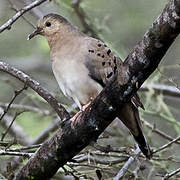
{"type": "Point", "coordinates": [101, 62]}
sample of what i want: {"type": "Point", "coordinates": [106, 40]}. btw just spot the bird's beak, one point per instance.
{"type": "Point", "coordinates": [34, 33]}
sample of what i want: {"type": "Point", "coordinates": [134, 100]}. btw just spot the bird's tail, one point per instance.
{"type": "Point", "coordinates": [129, 115]}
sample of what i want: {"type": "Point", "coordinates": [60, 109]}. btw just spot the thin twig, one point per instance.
{"type": "Point", "coordinates": [164, 89]}
{"type": "Point", "coordinates": [87, 165]}
{"type": "Point", "coordinates": [30, 147]}
{"type": "Point", "coordinates": [124, 169]}
{"type": "Point", "coordinates": [16, 131]}
{"type": "Point", "coordinates": [36, 12]}
{"type": "Point", "coordinates": [25, 9]}
{"type": "Point", "coordinates": [26, 108]}
{"type": "Point", "coordinates": [13, 7]}
{"type": "Point", "coordinates": [166, 145]}
{"type": "Point", "coordinates": [6, 143]}
{"type": "Point", "coordinates": [25, 154]}
{"type": "Point", "coordinates": [100, 160]}
{"type": "Point", "coordinates": [7, 130]}
{"type": "Point", "coordinates": [157, 131]}
{"type": "Point", "coordinates": [167, 176]}
{"type": "Point", "coordinates": [137, 169]}
{"type": "Point", "coordinates": [169, 79]}
{"type": "Point", "coordinates": [81, 15]}
{"type": "Point", "coordinates": [108, 148]}
{"type": "Point", "coordinates": [16, 93]}
{"type": "Point", "coordinates": [102, 154]}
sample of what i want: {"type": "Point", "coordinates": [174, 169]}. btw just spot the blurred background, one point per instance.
{"type": "Point", "coordinates": [121, 25]}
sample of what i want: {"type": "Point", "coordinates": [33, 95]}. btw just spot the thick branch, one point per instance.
{"type": "Point", "coordinates": [73, 136]}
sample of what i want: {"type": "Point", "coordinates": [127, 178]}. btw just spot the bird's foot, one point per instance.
{"type": "Point", "coordinates": [85, 106]}
{"type": "Point", "coordinates": [74, 119]}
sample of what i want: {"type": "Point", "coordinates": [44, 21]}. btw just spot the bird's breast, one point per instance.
{"type": "Point", "coordinates": [74, 80]}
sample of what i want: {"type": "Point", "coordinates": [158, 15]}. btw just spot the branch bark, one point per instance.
{"type": "Point", "coordinates": [73, 136]}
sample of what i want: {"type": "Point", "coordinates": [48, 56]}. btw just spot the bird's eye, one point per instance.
{"type": "Point", "coordinates": [48, 24]}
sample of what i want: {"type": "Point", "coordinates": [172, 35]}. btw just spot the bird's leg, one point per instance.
{"type": "Point", "coordinates": [73, 119]}
{"type": "Point", "coordinates": [85, 106]}
{"type": "Point", "coordinates": [76, 115]}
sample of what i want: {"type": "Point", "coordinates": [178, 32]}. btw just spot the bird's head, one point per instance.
{"type": "Point", "coordinates": [50, 25]}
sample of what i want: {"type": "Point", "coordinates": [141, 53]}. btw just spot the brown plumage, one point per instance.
{"type": "Point", "coordinates": [83, 65]}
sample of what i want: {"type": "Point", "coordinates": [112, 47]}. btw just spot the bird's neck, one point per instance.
{"type": "Point", "coordinates": [62, 38]}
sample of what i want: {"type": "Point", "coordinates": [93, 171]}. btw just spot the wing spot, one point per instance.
{"type": "Point", "coordinates": [98, 54]}
{"type": "Point", "coordinates": [108, 52]}
{"type": "Point", "coordinates": [109, 75]}
{"type": "Point", "coordinates": [105, 45]}
{"type": "Point", "coordinates": [99, 45]}
{"type": "Point", "coordinates": [102, 56]}
{"type": "Point", "coordinates": [114, 59]}
{"type": "Point", "coordinates": [115, 68]}
{"type": "Point", "coordinates": [92, 51]}
{"type": "Point", "coordinates": [103, 63]}
{"type": "Point", "coordinates": [109, 63]}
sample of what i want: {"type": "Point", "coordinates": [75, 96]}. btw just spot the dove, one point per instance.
{"type": "Point", "coordinates": [83, 65]}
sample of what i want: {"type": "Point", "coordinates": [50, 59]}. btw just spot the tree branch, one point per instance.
{"type": "Point", "coordinates": [164, 89]}
{"type": "Point", "coordinates": [24, 154]}
{"type": "Point", "coordinates": [36, 12]}
{"type": "Point", "coordinates": [13, 7]}
{"type": "Point", "coordinates": [16, 93]}
{"type": "Point", "coordinates": [26, 108]}
{"type": "Point", "coordinates": [167, 176]}
{"type": "Point", "coordinates": [9, 23]}
{"type": "Point", "coordinates": [60, 110]}
{"type": "Point", "coordinates": [73, 136]}
{"type": "Point", "coordinates": [10, 125]}
{"type": "Point", "coordinates": [167, 145]}
{"type": "Point", "coordinates": [157, 131]}
{"type": "Point", "coordinates": [16, 131]}
{"type": "Point", "coordinates": [124, 169]}
{"type": "Point", "coordinates": [80, 13]}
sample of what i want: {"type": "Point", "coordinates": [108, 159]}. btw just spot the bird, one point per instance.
{"type": "Point", "coordinates": [83, 65]}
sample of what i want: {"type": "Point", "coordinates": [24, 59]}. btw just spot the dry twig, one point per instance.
{"type": "Point", "coordinates": [24, 154]}
{"type": "Point", "coordinates": [25, 9]}
{"type": "Point", "coordinates": [80, 13]}
{"type": "Point", "coordinates": [125, 167]}
{"type": "Point", "coordinates": [167, 176]}
{"type": "Point", "coordinates": [164, 89]}
{"type": "Point", "coordinates": [16, 131]}
{"type": "Point", "coordinates": [166, 145]}
{"type": "Point", "coordinates": [16, 93]}
{"type": "Point", "coordinates": [157, 131]}
{"type": "Point", "coordinates": [26, 108]}
{"type": "Point", "coordinates": [7, 130]}
{"type": "Point", "coordinates": [13, 7]}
